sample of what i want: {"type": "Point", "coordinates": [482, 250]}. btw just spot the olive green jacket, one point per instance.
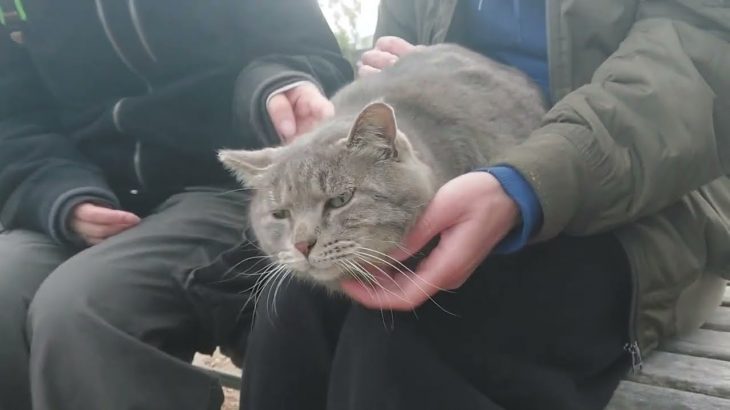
{"type": "Point", "coordinates": [637, 141]}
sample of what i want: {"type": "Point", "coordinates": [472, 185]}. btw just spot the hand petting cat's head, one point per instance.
{"type": "Point", "coordinates": [335, 201]}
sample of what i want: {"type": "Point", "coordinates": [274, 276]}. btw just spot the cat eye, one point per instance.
{"type": "Point", "coordinates": [340, 200]}
{"type": "Point", "coordinates": [280, 214]}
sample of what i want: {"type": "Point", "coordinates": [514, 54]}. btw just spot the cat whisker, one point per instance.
{"type": "Point", "coordinates": [286, 274]}
{"type": "Point", "coordinates": [407, 276]}
{"type": "Point", "coordinates": [236, 190]}
{"type": "Point", "coordinates": [366, 275]}
{"type": "Point", "coordinates": [392, 280]}
{"type": "Point", "coordinates": [355, 275]}
{"type": "Point", "coordinates": [254, 244]}
{"type": "Point", "coordinates": [373, 281]}
{"type": "Point", "coordinates": [406, 268]}
{"type": "Point", "coordinates": [266, 276]}
{"type": "Point", "coordinates": [386, 275]}
{"type": "Point", "coordinates": [254, 290]}
{"type": "Point", "coordinates": [273, 276]}
{"type": "Point", "coordinates": [258, 260]}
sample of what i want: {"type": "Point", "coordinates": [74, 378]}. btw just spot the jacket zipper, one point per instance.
{"type": "Point", "coordinates": [137, 157]}
{"type": "Point", "coordinates": [116, 110]}
{"type": "Point", "coordinates": [632, 347]}
{"type": "Point", "coordinates": [115, 45]}
{"type": "Point", "coordinates": [634, 351]}
{"type": "Point", "coordinates": [552, 16]}
{"type": "Point", "coordinates": [137, 22]}
{"type": "Point", "coordinates": [138, 164]}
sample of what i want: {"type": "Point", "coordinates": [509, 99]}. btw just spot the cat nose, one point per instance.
{"type": "Point", "coordinates": [305, 246]}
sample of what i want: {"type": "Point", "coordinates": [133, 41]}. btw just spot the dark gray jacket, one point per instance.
{"type": "Point", "coordinates": [126, 102]}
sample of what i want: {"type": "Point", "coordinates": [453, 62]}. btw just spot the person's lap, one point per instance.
{"type": "Point", "coordinates": [98, 324]}
{"type": "Point", "coordinates": [541, 329]}
{"type": "Point", "coordinates": [26, 259]}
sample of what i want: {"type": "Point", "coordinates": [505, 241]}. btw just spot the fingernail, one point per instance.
{"type": "Point", "coordinates": [287, 128]}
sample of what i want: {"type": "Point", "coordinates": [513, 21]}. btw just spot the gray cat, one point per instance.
{"type": "Point", "coordinates": [332, 204]}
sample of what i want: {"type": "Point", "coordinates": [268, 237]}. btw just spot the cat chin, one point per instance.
{"type": "Point", "coordinates": [331, 283]}
{"type": "Point", "coordinates": [325, 277]}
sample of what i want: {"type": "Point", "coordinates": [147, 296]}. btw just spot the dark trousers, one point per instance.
{"type": "Point", "coordinates": [543, 329]}
{"type": "Point", "coordinates": [113, 327]}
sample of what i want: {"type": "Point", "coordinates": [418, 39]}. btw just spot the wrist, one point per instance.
{"type": "Point", "coordinates": [62, 211]}
{"type": "Point", "coordinates": [523, 198]}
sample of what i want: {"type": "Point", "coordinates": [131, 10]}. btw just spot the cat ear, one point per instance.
{"type": "Point", "coordinates": [375, 131]}
{"type": "Point", "coordinates": [247, 165]}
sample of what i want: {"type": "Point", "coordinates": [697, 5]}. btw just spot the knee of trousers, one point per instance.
{"type": "Point", "coordinates": [75, 299]}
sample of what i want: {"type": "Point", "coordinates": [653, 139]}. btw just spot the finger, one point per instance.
{"type": "Point", "coordinates": [378, 59]}
{"type": "Point", "coordinates": [438, 216]}
{"type": "Point", "coordinates": [447, 267]}
{"type": "Point", "coordinates": [392, 297]}
{"type": "Point", "coordinates": [394, 45]}
{"type": "Point", "coordinates": [321, 107]}
{"type": "Point", "coordinates": [366, 70]}
{"type": "Point", "coordinates": [282, 115]}
{"type": "Point", "coordinates": [305, 125]}
{"type": "Point", "coordinates": [100, 215]}
{"type": "Point", "coordinates": [459, 252]}
{"type": "Point", "coordinates": [93, 241]}
{"type": "Point", "coordinates": [302, 107]}
{"type": "Point", "coordinates": [360, 293]}
{"type": "Point", "coordinates": [89, 229]}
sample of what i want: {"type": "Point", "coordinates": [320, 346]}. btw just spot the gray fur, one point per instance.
{"type": "Point", "coordinates": [454, 111]}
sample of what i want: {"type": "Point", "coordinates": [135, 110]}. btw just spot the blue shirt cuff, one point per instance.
{"type": "Point", "coordinates": [517, 187]}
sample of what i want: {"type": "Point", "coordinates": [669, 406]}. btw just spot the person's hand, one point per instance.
{"type": "Point", "coordinates": [96, 223]}
{"type": "Point", "coordinates": [472, 213]}
{"type": "Point", "coordinates": [387, 51]}
{"type": "Point", "coordinates": [299, 110]}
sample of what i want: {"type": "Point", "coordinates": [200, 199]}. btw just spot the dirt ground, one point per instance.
{"type": "Point", "coordinates": [218, 361]}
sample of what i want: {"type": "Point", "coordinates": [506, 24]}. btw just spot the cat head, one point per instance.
{"type": "Point", "coordinates": [338, 199]}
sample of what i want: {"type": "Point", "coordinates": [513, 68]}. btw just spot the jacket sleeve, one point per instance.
{"type": "Point", "coordinates": [290, 41]}
{"type": "Point", "coordinates": [651, 126]}
{"type": "Point", "coordinates": [396, 18]}
{"type": "Point", "coordinates": [41, 172]}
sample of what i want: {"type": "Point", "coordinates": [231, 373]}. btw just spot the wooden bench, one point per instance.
{"type": "Point", "coordinates": [690, 372]}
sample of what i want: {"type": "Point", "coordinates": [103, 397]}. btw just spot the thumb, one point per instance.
{"type": "Point", "coordinates": [282, 116]}
{"type": "Point", "coordinates": [440, 214]}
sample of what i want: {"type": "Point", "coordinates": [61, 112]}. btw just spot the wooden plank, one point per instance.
{"type": "Point", "coordinates": [220, 367]}
{"type": "Point", "coordinates": [719, 320]}
{"type": "Point", "coordinates": [228, 378]}
{"type": "Point", "coordinates": [726, 298]}
{"type": "Point", "coordinates": [700, 343]}
{"type": "Point", "coordinates": [630, 395]}
{"type": "Point", "coordinates": [692, 374]}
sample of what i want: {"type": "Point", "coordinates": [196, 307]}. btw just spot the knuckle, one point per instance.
{"type": "Point", "coordinates": [384, 42]}
{"type": "Point", "coordinates": [369, 56]}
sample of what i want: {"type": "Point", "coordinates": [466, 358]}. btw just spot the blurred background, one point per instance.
{"type": "Point", "coordinates": [353, 22]}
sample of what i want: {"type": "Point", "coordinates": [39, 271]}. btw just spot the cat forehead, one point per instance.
{"type": "Point", "coordinates": [307, 181]}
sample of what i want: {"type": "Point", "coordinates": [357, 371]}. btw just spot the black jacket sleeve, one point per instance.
{"type": "Point", "coordinates": [290, 41]}
{"type": "Point", "coordinates": [41, 172]}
